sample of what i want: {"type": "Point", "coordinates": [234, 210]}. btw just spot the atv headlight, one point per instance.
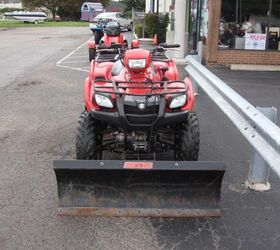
{"type": "Point", "coordinates": [178, 101]}
{"type": "Point", "coordinates": [137, 63]}
{"type": "Point", "coordinates": [103, 101]}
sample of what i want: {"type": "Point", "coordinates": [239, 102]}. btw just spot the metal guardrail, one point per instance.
{"type": "Point", "coordinates": [262, 134]}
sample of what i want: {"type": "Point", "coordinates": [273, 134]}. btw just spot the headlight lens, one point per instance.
{"type": "Point", "coordinates": [103, 101]}
{"type": "Point", "coordinates": [178, 101]}
{"type": "Point", "coordinates": [136, 63]}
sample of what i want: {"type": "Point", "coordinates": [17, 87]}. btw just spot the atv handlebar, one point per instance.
{"type": "Point", "coordinates": [118, 46]}
{"type": "Point", "coordinates": [112, 46]}
{"type": "Point", "coordinates": [163, 46]}
{"type": "Point", "coordinates": [169, 46]}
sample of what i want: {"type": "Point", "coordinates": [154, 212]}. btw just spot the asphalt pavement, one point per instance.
{"type": "Point", "coordinates": [40, 103]}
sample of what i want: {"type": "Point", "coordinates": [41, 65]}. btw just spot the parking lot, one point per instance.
{"type": "Point", "coordinates": [41, 98]}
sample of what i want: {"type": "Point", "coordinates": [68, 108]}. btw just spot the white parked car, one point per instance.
{"type": "Point", "coordinates": [124, 21]}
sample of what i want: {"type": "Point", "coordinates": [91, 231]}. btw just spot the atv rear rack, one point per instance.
{"type": "Point", "coordinates": [109, 54]}
{"type": "Point", "coordinates": [107, 57]}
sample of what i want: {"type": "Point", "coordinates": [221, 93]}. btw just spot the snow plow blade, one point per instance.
{"type": "Point", "coordinates": [146, 189]}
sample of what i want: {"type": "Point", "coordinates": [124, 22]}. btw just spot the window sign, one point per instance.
{"type": "Point", "coordinates": [255, 41]}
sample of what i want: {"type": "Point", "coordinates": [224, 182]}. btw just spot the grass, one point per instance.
{"type": "Point", "coordinates": [18, 24]}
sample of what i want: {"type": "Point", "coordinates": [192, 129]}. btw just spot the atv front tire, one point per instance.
{"type": "Point", "coordinates": [88, 139]}
{"type": "Point", "coordinates": [187, 139]}
{"type": "Point", "coordinates": [91, 54]}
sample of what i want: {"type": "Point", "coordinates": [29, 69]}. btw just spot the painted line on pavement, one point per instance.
{"type": "Point", "coordinates": [79, 56]}
{"type": "Point", "coordinates": [68, 67]}
{"type": "Point", "coordinates": [75, 54]}
{"type": "Point", "coordinates": [72, 52]}
{"type": "Point", "coordinates": [76, 62]}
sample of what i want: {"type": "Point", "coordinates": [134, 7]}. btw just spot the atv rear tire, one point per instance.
{"type": "Point", "coordinates": [88, 138]}
{"type": "Point", "coordinates": [130, 27]}
{"type": "Point", "coordinates": [91, 54]}
{"type": "Point", "coordinates": [188, 139]}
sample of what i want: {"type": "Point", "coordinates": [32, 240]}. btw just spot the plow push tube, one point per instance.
{"type": "Point", "coordinates": [146, 189]}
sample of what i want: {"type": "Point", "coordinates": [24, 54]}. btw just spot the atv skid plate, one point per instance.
{"type": "Point", "coordinates": [147, 189]}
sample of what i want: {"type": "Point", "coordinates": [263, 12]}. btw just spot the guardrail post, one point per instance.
{"type": "Point", "coordinates": [194, 83]}
{"type": "Point", "coordinates": [259, 170]}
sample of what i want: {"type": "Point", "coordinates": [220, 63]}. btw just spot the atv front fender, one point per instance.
{"type": "Point", "coordinates": [191, 99]}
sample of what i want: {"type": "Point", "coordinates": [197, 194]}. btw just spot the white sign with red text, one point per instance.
{"type": "Point", "coordinates": [255, 41]}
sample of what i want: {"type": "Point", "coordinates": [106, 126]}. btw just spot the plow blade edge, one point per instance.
{"type": "Point", "coordinates": [154, 189]}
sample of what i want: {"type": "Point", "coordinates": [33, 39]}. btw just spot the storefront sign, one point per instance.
{"type": "Point", "coordinates": [255, 41]}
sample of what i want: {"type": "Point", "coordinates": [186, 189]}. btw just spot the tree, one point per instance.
{"type": "Point", "coordinates": [51, 5]}
{"type": "Point", "coordinates": [71, 9]}
{"type": "Point", "coordinates": [136, 4]}
{"type": "Point", "coordinates": [105, 3]}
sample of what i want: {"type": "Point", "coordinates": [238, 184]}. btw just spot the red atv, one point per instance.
{"type": "Point", "coordinates": [112, 36]}
{"type": "Point", "coordinates": [135, 105]}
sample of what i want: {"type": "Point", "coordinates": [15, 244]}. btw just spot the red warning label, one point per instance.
{"type": "Point", "coordinates": [138, 165]}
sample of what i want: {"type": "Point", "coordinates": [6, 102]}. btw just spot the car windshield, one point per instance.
{"type": "Point", "coordinates": [106, 15]}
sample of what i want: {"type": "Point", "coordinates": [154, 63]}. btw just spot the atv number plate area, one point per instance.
{"type": "Point", "coordinates": [169, 189]}
{"type": "Point", "coordinates": [138, 165]}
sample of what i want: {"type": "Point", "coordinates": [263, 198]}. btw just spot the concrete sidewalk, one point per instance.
{"type": "Point", "coordinates": [260, 88]}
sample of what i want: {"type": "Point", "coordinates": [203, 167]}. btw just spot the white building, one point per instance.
{"type": "Point", "coordinates": [177, 28]}
{"type": "Point", "coordinates": [164, 5]}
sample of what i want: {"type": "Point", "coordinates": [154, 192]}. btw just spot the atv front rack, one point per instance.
{"type": "Point", "coordinates": [148, 85]}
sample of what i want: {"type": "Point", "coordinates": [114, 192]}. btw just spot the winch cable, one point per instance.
{"type": "Point", "coordinates": [154, 89]}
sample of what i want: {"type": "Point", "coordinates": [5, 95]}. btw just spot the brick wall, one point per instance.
{"type": "Point", "coordinates": [231, 56]}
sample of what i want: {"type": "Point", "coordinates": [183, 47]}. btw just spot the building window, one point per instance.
{"type": "Point", "coordinates": [250, 25]}
{"type": "Point", "coordinates": [85, 7]}
{"type": "Point", "coordinates": [198, 23]}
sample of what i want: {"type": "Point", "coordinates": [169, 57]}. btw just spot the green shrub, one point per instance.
{"type": "Point", "coordinates": [152, 27]}
{"type": "Point", "coordinates": [138, 30]}
{"type": "Point", "coordinates": [128, 13]}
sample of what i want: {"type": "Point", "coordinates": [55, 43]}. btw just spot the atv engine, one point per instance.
{"type": "Point", "coordinates": [138, 141]}
{"type": "Point", "coordinates": [135, 141]}
{"type": "Point", "coordinates": [141, 144]}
